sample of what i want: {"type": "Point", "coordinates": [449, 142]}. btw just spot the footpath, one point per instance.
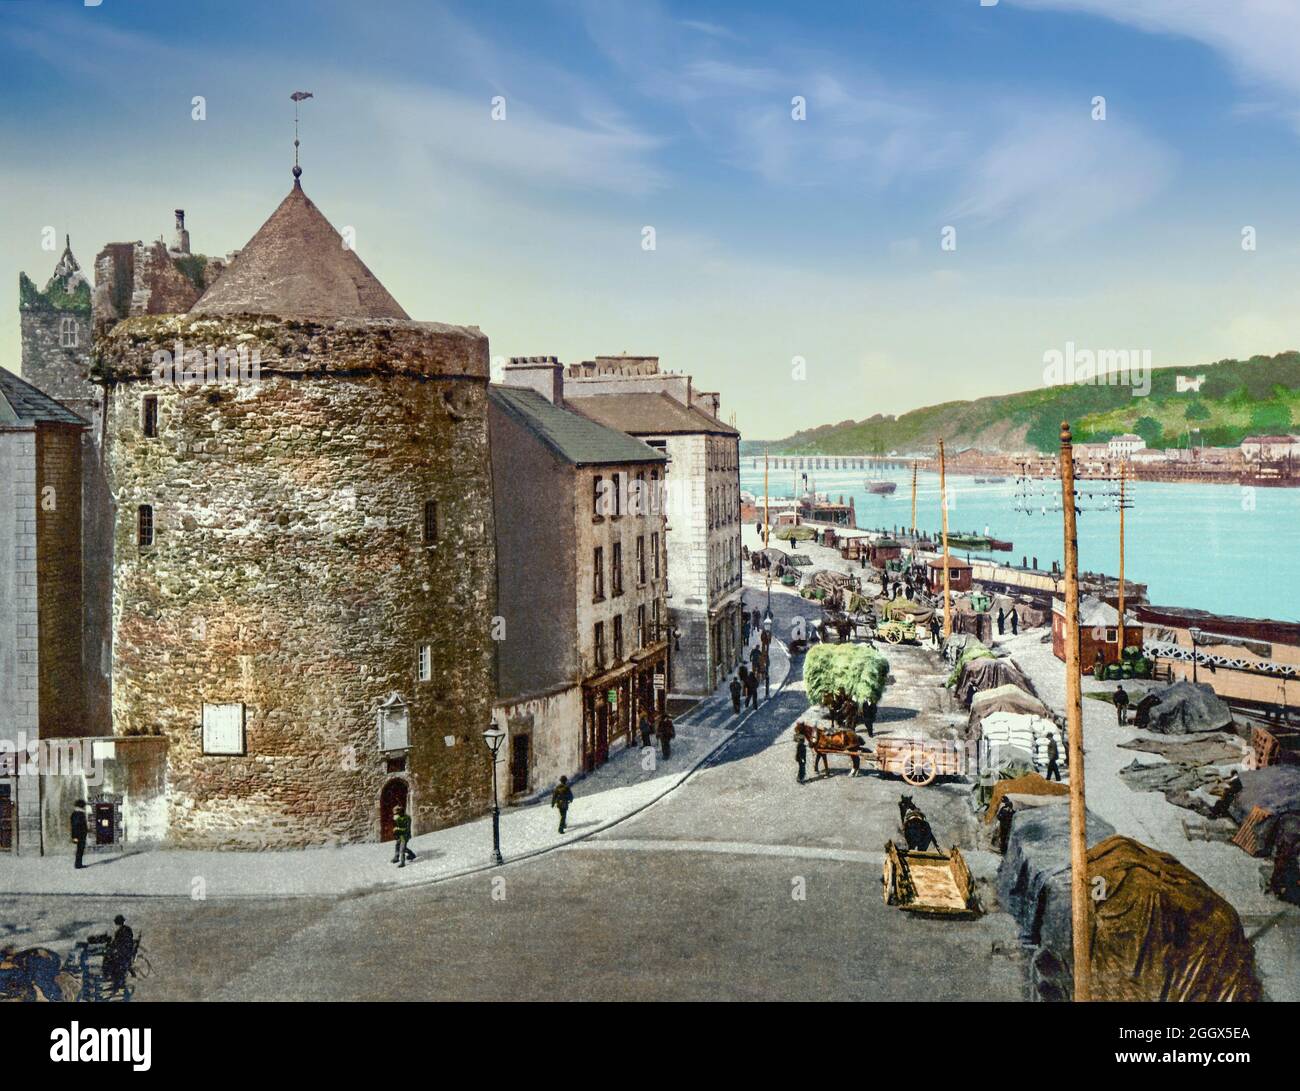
{"type": "Point", "coordinates": [631, 780]}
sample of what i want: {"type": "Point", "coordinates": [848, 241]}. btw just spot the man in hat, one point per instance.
{"type": "Point", "coordinates": [1121, 704]}
{"type": "Point", "coordinates": [119, 954]}
{"type": "Point", "coordinates": [736, 689]}
{"type": "Point", "coordinates": [79, 830]}
{"type": "Point", "coordinates": [561, 797]}
{"type": "Point", "coordinates": [801, 755]}
{"type": "Point", "coordinates": [1053, 753]}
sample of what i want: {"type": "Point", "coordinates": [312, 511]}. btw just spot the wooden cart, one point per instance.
{"type": "Point", "coordinates": [918, 761]}
{"type": "Point", "coordinates": [929, 882]}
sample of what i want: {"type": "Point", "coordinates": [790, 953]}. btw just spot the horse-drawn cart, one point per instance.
{"type": "Point", "coordinates": [918, 761]}
{"type": "Point", "coordinates": [929, 882]}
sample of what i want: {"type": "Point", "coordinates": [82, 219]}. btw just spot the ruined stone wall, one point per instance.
{"type": "Point", "coordinates": [58, 580]}
{"type": "Point", "coordinates": [288, 571]}
{"type": "Point", "coordinates": [58, 369]}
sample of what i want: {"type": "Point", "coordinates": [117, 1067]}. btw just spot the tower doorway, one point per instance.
{"type": "Point", "coordinates": [394, 794]}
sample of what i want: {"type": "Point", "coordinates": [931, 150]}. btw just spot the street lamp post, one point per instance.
{"type": "Point", "coordinates": [493, 736]}
{"type": "Point", "coordinates": [767, 661]}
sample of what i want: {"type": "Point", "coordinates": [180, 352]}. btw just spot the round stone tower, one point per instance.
{"type": "Point", "coordinates": [303, 566]}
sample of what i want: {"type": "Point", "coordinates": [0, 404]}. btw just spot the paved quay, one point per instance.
{"type": "Point", "coordinates": [629, 782]}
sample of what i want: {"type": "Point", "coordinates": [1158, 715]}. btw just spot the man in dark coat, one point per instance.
{"type": "Point", "coordinates": [751, 687]}
{"type": "Point", "coordinates": [801, 756]}
{"type": "Point", "coordinates": [1053, 753]}
{"type": "Point", "coordinates": [736, 690]}
{"type": "Point", "coordinates": [666, 735]}
{"type": "Point", "coordinates": [79, 830]}
{"type": "Point", "coordinates": [402, 832]}
{"type": "Point", "coordinates": [644, 727]}
{"type": "Point", "coordinates": [1006, 813]}
{"type": "Point", "coordinates": [754, 653]}
{"type": "Point", "coordinates": [1121, 704]}
{"type": "Point", "coordinates": [561, 797]}
{"type": "Point", "coordinates": [936, 629]}
{"type": "Point", "coordinates": [119, 954]}
{"type": "Point", "coordinates": [1002, 621]}
{"type": "Point", "coordinates": [1015, 622]}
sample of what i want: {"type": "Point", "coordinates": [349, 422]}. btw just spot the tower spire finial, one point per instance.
{"type": "Point", "coordinates": [297, 97]}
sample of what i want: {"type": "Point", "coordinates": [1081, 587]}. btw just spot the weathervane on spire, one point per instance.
{"type": "Point", "coordinates": [297, 96]}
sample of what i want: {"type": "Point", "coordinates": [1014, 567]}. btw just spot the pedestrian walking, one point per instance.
{"type": "Point", "coordinates": [736, 690]}
{"type": "Point", "coordinates": [402, 829]}
{"type": "Point", "coordinates": [1053, 753]}
{"type": "Point", "coordinates": [1121, 704]}
{"type": "Point", "coordinates": [1006, 813]}
{"type": "Point", "coordinates": [644, 727]}
{"type": "Point", "coordinates": [1015, 622]}
{"type": "Point", "coordinates": [869, 719]}
{"type": "Point", "coordinates": [801, 756]}
{"type": "Point", "coordinates": [79, 830]}
{"type": "Point", "coordinates": [935, 629]}
{"type": "Point", "coordinates": [666, 735]}
{"type": "Point", "coordinates": [754, 655]}
{"type": "Point", "coordinates": [751, 688]}
{"type": "Point", "coordinates": [561, 797]}
{"type": "Point", "coordinates": [1002, 621]}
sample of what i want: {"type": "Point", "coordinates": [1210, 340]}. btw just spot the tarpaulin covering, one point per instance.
{"type": "Point", "coordinates": [1160, 932]}
{"type": "Point", "coordinates": [1031, 784]}
{"type": "Point", "coordinates": [1002, 699]}
{"type": "Point", "coordinates": [981, 674]}
{"type": "Point", "coordinates": [1186, 708]}
{"type": "Point", "coordinates": [1275, 788]}
{"type": "Point", "coordinates": [1034, 877]}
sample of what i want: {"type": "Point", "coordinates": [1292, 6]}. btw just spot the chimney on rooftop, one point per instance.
{"type": "Point", "coordinates": [182, 242]}
{"type": "Point", "coordinates": [544, 374]}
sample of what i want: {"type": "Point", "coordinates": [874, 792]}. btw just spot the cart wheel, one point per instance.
{"type": "Point", "coordinates": [888, 882]}
{"type": "Point", "coordinates": [918, 769]}
{"type": "Point", "coordinates": [893, 636]}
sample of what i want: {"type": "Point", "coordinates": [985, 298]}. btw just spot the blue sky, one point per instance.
{"type": "Point", "coordinates": [775, 238]}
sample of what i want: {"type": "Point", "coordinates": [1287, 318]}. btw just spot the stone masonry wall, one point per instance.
{"type": "Point", "coordinates": [289, 573]}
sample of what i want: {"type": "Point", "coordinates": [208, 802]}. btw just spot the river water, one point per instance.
{"type": "Point", "coordinates": [1224, 548]}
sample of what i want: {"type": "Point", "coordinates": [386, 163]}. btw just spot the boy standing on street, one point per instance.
{"type": "Point", "coordinates": [402, 831]}
{"type": "Point", "coordinates": [561, 798]}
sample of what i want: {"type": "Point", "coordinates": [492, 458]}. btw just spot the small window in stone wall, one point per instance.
{"type": "Point", "coordinates": [68, 333]}
{"type": "Point", "coordinates": [430, 522]}
{"type": "Point", "coordinates": [223, 729]}
{"type": "Point", "coordinates": [144, 525]}
{"type": "Point", "coordinates": [424, 663]}
{"type": "Point", "coordinates": [149, 416]}
{"type": "Point", "coordinates": [394, 725]}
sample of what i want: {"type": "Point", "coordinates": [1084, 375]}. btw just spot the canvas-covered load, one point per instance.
{"type": "Point", "coordinates": [1034, 877]}
{"type": "Point", "coordinates": [1185, 708]}
{"type": "Point", "coordinates": [1159, 933]}
{"type": "Point", "coordinates": [1275, 789]}
{"type": "Point", "coordinates": [1031, 784]}
{"type": "Point", "coordinates": [978, 675]}
{"type": "Point", "coordinates": [1007, 737]}
{"type": "Point", "coordinates": [1002, 699]}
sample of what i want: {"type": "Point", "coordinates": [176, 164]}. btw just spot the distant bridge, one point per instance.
{"type": "Point", "coordinates": [834, 462]}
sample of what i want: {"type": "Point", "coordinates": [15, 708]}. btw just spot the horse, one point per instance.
{"type": "Point", "coordinates": [848, 741]}
{"type": "Point", "coordinates": [916, 827]}
{"type": "Point", "coordinates": [33, 974]}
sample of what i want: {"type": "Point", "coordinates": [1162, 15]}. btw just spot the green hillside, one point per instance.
{"type": "Point", "coordinates": [1238, 398]}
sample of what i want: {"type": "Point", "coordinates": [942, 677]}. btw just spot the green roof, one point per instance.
{"type": "Point", "coordinates": [573, 437]}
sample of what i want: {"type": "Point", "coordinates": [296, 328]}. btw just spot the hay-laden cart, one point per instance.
{"type": "Point", "coordinates": [938, 883]}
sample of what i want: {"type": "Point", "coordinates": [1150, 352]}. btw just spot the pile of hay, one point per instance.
{"type": "Point", "coordinates": [857, 671]}
{"type": "Point", "coordinates": [799, 533]}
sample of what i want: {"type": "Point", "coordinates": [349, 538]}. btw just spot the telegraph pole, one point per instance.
{"type": "Point", "coordinates": [1123, 468]}
{"type": "Point", "coordinates": [914, 509]}
{"type": "Point", "coordinates": [1079, 893]}
{"type": "Point", "coordinates": [767, 531]}
{"type": "Point", "coordinates": [943, 505]}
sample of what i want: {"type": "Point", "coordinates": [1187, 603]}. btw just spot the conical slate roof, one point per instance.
{"type": "Point", "coordinates": [297, 266]}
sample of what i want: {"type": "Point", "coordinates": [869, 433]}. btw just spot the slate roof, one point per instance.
{"type": "Point", "coordinates": [573, 437]}
{"type": "Point", "coordinates": [21, 403]}
{"type": "Point", "coordinates": [297, 266]}
{"type": "Point", "coordinates": [656, 414]}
